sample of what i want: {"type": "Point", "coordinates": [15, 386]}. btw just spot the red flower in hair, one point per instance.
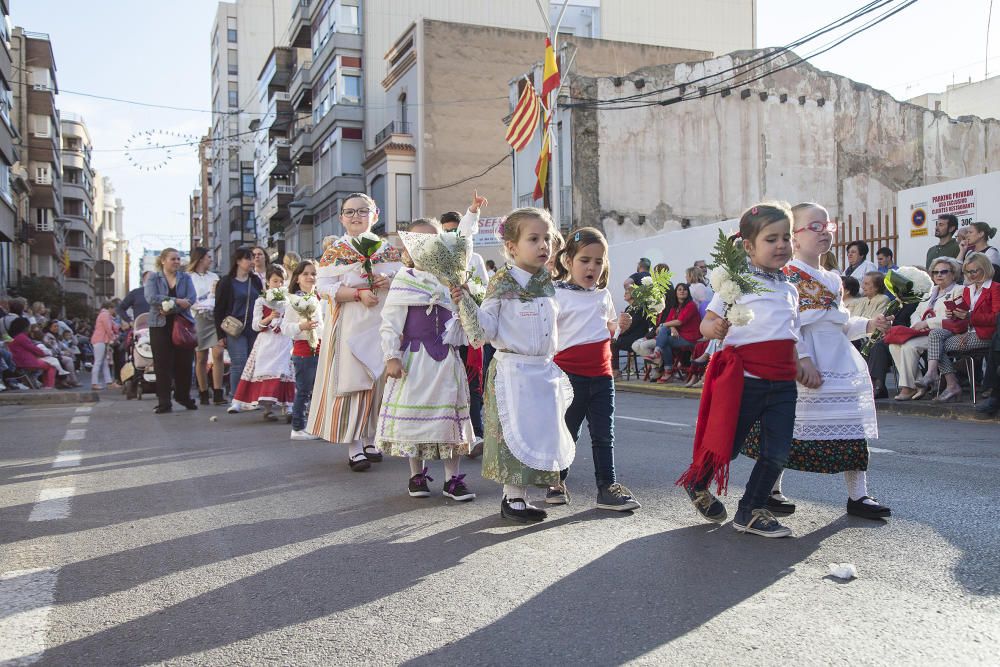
{"type": "Point", "coordinates": [753, 211]}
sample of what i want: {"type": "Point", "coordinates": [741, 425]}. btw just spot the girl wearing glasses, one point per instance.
{"type": "Point", "coordinates": [969, 326]}
{"type": "Point", "coordinates": [834, 419]}
{"type": "Point", "coordinates": [350, 374]}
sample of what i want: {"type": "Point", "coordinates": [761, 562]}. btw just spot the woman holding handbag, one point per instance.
{"type": "Point", "coordinates": [970, 324]}
{"type": "Point", "coordinates": [235, 295]}
{"type": "Point", "coordinates": [170, 294]}
{"type": "Point", "coordinates": [907, 344]}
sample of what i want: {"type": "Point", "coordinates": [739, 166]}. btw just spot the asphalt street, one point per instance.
{"type": "Point", "coordinates": [130, 538]}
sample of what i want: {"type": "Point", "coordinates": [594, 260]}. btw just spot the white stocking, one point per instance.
{"type": "Point", "coordinates": [355, 448]}
{"type": "Point", "coordinates": [857, 485]}
{"type": "Point", "coordinates": [416, 465]}
{"type": "Point", "coordinates": [510, 492]}
{"type": "Point", "coordinates": [451, 467]}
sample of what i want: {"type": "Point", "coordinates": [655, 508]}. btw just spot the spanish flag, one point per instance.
{"type": "Point", "coordinates": [524, 120]}
{"type": "Point", "coordinates": [65, 262]}
{"type": "Point", "coordinates": [542, 166]}
{"type": "Point", "coordinates": [550, 79]}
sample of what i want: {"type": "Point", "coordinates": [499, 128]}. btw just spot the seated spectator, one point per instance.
{"type": "Point", "coordinates": [26, 354]}
{"type": "Point", "coordinates": [883, 257]}
{"type": "Point", "coordinates": [641, 270]}
{"type": "Point", "coordinates": [679, 331]}
{"type": "Point", "coordinates": [852, 290]}
{"type": "Point", "coordinates": [829, 262]}
{"type": "Point", "coordinates": [858, 262]}
{"type": "Point", "coordinates": [51, 339]}
{"type": "Point", "coordinates": [873, 300]}
{"type": "Point", "coordinates": [16, 308]}
{"type": "Point", "coordinates": [929, 316]}
{"type": "Point", "coordinates": [969, 325]}
{"type": "Point", "coordinates": [701, 293]}
{"type": "Point", "coordinates": [36, 332]}
{"type": "Point", "coordinates": [645, 346]}
{"type": "Point", "coordinates": [637, 330]}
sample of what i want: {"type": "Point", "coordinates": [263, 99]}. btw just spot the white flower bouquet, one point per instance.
{"type": "Point", "coordinates": [730, 278]}
{"type": "Point", "coordinates": [168, 305]}
{"type": "Point", "coordinates": [274, 295]}
{"type": "Point", "coordinates": [306, 306]}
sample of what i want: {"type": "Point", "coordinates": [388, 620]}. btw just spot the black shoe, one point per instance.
{"type": "Point", "coordinates": [759, 522]}
{"type": "Point", "coordinates": [218, 397]}
{"type": "Point", "coordinates": [865, 511]}
{"type": "Point", "coordinates": [359, 463]}
{"type": "Point", "coordinates": [617, 498]}
{"type": "Point", "coordinates": [780, 505]}
{"type": "Point", "coordinates": [418, 485]}
{"type": "Point", "coordinates": [374, 455]}
{"type": "Point", "coordinates": [708, 506]}
{"type": "Point", "coordinates": [161, 410]}
{"type": "Point", "coordinates": [456, 489]}
{"type": "Point", "coordinates": [990, 408]}
{"type": "Point", "coordinates": [557, 496]}
{"type": "Point", "coordinates": [532, 514]}
{"type": "Point", "coordinates": [880, 390]}
{"type": "Point", "coordinates": [189, 405]}
{"type": "Point", "coordinates": [203, 397]}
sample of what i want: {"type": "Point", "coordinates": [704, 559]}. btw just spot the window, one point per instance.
{"type": "Point", "coordinates": [349, 19]}
{"type": "Point", "coordinates": [248, 186]}
{"type": "Point", "coordinates": [43, 174]}
{"type": "Point", "coordinates": [402, 112]}
{"type": "Point", "coordinates": [352, 88]}
{"type": "Point", "coordinates": [231, 29]}
{"type": "Point", "coordinates": [5, 181]}
{"type": "Point", "coordinates": [6, 103]}
{"type": "Point", "coordinates": [352, 155]}
{"type": "Point", "coordinates": [41, 126]}
{"type": "Point", "coordinates": [234, 67]}
{"type": "Point", "coordinates": [234, 95]}
{"type": "Point", "coordinates": [404, 209]}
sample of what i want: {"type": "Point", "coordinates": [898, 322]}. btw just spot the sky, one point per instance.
{"type": "Point", "coordinates": [158, 52]}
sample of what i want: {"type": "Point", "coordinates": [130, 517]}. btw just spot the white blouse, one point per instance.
{"type": "Point", "coordinates": [775, 314]}
{"type": "Point", "coordinates": [203, 283]}
{"type": "Point", "coordinates": [522, 327]}
{"type": "Point", "coordinates": [584, 316]}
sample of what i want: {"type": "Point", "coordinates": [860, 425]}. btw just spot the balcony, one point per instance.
{"type": "Point", "coordinates": [77, 191]}
{"type": "Point", "coordinates": [338, 41]}
{"type": "Point", "coordinates": [396, 127]}
{"type": "Point", "coordinates": [77, 254]}
{"type": "Point", "coordinates": [300, 88]}
{"type": "Point", "coordinates": [79, 286]}
{"type": "Point", "coordinates": [276, 207]}
{"type": "Point", "coordinates": [279, 115]}
{"type": "Point", "coordinates": [353, 113]}
{"type": "Point", "coordinates": [299, 28]}
{"type": "Point", "coordinates": [278, 162]}
{"type": "Point", "coordinates": [301, 152]}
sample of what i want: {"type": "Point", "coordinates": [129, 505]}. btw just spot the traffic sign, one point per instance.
{"type": "Point", "coordinates": [104, 268]}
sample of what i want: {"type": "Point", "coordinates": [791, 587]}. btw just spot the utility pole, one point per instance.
{"type": "Point", "coordinates": [552, 104]}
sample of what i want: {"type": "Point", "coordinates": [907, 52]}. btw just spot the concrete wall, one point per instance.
{"type": "Point", "coordinates": [475, 63]}
{"type": "Point", "coordinates": [707, 159]}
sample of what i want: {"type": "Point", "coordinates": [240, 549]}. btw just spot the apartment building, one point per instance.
{"type": "Point", "coordinates": [967, 98]}
{"type": "Point", "coordinates": [9, 227]}
{"type": "Point", "coordinates": [38, 144]}
{"type": "Point", "coordinates": [200, 201]}
{"type": "Point", "coordinates": [81, 248]}
{"type": "Point", "coordinates": [109, 230]}
{"type": "Point", "coordinates": [243, 35]}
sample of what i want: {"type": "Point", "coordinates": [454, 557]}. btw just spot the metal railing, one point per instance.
{"type": "Point", "coordinates": [394, 127]}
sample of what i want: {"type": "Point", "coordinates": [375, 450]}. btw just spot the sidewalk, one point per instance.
{"type": "Point", "coordinates": [81, 394]}
{"type": "Point", "coordinates": [963, 411]}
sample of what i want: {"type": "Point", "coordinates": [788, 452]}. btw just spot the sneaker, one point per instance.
{"type": "Point", "coordinates": [303, 435]}
{"type": "Point", "coordinates": [870, 510]}
{"type": "Point", "coordinates": [557, 496]}
{"type": "Point", "coordinates": [779, 504]}
{"type": "Point", "coordinates": [477, 449]}
{"type": "Point", "coordinates": [525, 515]}
{"type": "Point", "coordinates": [233, 409]}
{"type": "Point", "coordinates": [617, 498]}
{"type": "Point", "coordinates": [708, 506]}
{"type": "Point", "coordinates": [418, 485]}
{"type": "Point", "coordinates": [456, 489]}
{"type": "Point", "coordinates": [761, 522]}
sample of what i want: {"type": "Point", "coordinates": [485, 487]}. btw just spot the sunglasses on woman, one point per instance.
{"type": "Point", "coordinates": [942, 272]}
{"type": "Point", "coordinates": [819, 227]}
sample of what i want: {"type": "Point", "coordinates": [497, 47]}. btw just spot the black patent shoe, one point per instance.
{"type": "Point", "coordinates": [865, 511]}
{"type": "Point", "coordinates": [359, 463]}
{"type": "Point", "coordinates": [780, 506]}
{"type": "Point", "coordinates": [161, 410]}
{"type": "Point", "coordinates": [528, 514]}
{"type": "Point", "coordinates": [189, 405]}
{"type": "Point", "coordinates": [373, 455]}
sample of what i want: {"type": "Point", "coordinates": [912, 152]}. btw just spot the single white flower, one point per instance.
{"type": "Point", "coordinates": [167, 305]}
{"type": "Point", "coordinates": [647, 280]}
{"type": "Point", "coordinates": [729, 291]}
{"type": "Point", "coordinates": [717, 277]}
{"type": "Point", "coordinates": [739, 315]}
{"type": "Point", "coordinates": [921, 281]}
{"type": "Point", "coordinates": [658, 307]}
{"type": "Point", "coordinates": [371, 236]}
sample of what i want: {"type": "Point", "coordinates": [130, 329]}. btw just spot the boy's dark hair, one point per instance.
{"type": "Point", "coordinates": [885, 252]}
{"type": "Point", "coordinates": [450, 217]}
{"type": "Point", "coordinates": [275, 270]}
{"type": "Point", "coordinates": [851, 286]}
{"type": "Point", "coordinates": [952, 220]}
{"type": "Point", "coordinates": [862, 247]}
{"type": "Point", "coordinates": [645, 263]}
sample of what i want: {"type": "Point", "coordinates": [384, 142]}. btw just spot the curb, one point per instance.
{"type": "Point", "coordinates": [48, 397]}
{"type": "Point", "coordinates": [952, 411]}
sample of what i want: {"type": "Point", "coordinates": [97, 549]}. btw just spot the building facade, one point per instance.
{"type": "Point", "coordinates": [970, 98]}
{"type": "Point", "coordinates": [243, 35]}
{"type": "Point", "coordinates": [38, 144]}
{"type": "Point", "coordinates": [78, 208]}
{"type": "Point", "coordinates": [109, 215]}
{"type": "Point", "coordinates": [200, 202]}
{"type": "Point", "coordinates": [10, 229]}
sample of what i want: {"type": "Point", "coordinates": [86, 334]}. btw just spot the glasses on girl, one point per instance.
{"type": "Point", "coordinates": [819, 227]}
{"type": "Point", "coordinates": [360, 212]}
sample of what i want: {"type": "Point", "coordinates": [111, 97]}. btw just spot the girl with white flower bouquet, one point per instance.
{"type": "Point", "coordinates": [302, 324]}
{"type": "Point", "coordinates": [268, 379]}
{"type": "Point", "coordinates": [353, 276]}
{"type": "Point", "coordinates": [425, 408]}
{"type": "Point", "coordinates": [834, 419]}
{"type": "Point", "coordinates": [752, 377]}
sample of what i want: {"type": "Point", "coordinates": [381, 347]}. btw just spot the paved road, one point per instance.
{"type": "Point", "coordinates": [130, 538]}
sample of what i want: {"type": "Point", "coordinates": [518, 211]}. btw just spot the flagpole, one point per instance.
{"type": "Point", "coordinates": [555, 201]}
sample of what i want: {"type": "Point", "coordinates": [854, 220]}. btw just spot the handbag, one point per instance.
{"type": "Point", "coordinates": [183, 335]}
{"type": "Point", "coordinates": [232, 325]}
{"type": "Point", "coordinates": [955, 326]}
{"type": "Point", "coordinates": [899, 334]}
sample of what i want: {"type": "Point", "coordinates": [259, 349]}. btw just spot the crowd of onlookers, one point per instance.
{"type": "Point", "coordinates": [955, 320]}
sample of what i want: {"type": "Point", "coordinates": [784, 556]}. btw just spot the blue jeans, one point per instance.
{"type": "Point", "coordinates": [773, 403]}
{"type": "Point", "coordinates": [305, 376]}
{"type": "Point", "coordinates": [594, 400]}
{"type": "Point", "coordinates": [239, 350]}
{"type": "Point", "coordinates": [668, 344]}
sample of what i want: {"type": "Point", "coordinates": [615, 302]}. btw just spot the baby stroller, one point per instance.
{"type": "Point", "coordinates": [138, 376]}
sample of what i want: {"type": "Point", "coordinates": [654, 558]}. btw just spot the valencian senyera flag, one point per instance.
{"type": "Point", "coordinates": [524, 120]}
{"type": "Point", "coordinates": [542, 166]}
{"type": "Point", "coordinates": [550, 78]}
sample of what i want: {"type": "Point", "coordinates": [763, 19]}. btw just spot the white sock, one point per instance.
{"type": "Point", "coordinates": [416, 465]}
{"type": "Point", "coordinates": [355, 448]}
{"type": "Point", "coordinates": [510, 492]}
{"type": "Point", "coordinates": [776, 489]}
{"type": "Point", "coordinates": [451, 467]}
{"type": "Point", "coordinates": [370, 442]}
{"type": "Point", "coordinates": [857, 485]}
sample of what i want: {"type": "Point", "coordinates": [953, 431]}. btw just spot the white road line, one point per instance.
{"type": "Point", "coordinates": [75, 434]}
{"type": "Point", "coordinates": [652, 421]}
{"type": "Point", "coordinates": [26, 599]}
{"type": "Point", "coordinates": [84, 409]}
{"type": "Point", "coordinates": [67, 459]}
{"type": "Point", "coordinates": [876, 450]}
{"type": "Point", "coordinates": [52, 503]}
{"type": "Point", "coordinates": [80, 420]}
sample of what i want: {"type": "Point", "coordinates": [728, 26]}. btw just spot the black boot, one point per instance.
{"type": "Point", "coordinates": [203, 397]}
{"type": "Point", "coordinates": [217, 397]}
{"type": "Point", "coordinates": [880, 390]}
{"type": "Point", "coordinates": [990, 408]}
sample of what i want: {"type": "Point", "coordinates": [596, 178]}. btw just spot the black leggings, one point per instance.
{"type": "Point", "coordinates": [172, 364]}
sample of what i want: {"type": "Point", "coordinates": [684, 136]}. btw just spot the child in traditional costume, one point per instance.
{"type": "Point", "coordinates": [303, 324]}
{"type": "Point", "coordinates": [752, 377]}
{"type": "Point", "coordinates": [268, 378]}
{"type": "Point", "coordinates": [350, 374]}
{"type": "Point", "coordinates": [526, 439]}
{"type": "Point", "coordinates": [425, 407]}
{"type": "Point", "coordinates": [587, 321]}
{"type": "Point", "coordinates": [833, 421]}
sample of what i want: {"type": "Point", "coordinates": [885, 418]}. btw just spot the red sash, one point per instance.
{"type": "Point", "coordinates": [720, 404]}
{"type": "Point", "coordinates": [300, 348]}
{"type": "Point", "coordinates": [592, 360]}
{"type": "Point", "coordinates": [474, 366]}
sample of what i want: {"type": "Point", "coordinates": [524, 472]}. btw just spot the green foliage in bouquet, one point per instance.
{"type": "Point", "coordinates": [650, 293]}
